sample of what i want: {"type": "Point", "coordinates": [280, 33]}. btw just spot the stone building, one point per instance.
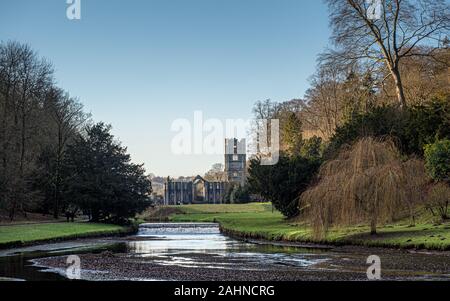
{"type": "Point", "coordinates": [197, 191]}
{"type": "Point", "coordinates": [235, 161]}
{"type": "Point", "coordinates": [200, 191]}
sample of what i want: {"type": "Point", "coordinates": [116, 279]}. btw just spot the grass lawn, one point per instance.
{"type": "Point", "coordinates": [259, 222]}
{"type": "Point", "coordinates": [16, 235]}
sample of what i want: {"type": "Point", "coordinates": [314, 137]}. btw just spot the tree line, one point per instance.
{"type": "Point", "coordinates": [369, 142]}
{"type": "Point", "coordinates": [54, 159]}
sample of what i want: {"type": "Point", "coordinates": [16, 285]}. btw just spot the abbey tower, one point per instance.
{"type": "Point", "coordinates": [235, 160]}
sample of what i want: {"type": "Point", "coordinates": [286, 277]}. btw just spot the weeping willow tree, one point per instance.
{"type": "Point", "coordinates": [367, 183]}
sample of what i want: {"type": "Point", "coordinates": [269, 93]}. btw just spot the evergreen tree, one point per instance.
{"type": "Point", "coordinates": [282, 183]}
{"type": "Point", "coordinates": [102, 180]}
{"type": "Point", "coordinates": [292, 134]}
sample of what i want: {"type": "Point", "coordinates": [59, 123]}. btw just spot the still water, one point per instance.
{"type": "Point", "coordinates": [177, 245]}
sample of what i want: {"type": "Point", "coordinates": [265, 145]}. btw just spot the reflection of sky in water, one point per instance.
{"type": "Point", "coordinates": [196, 239]}
{"type": "Point", "coordinates": [187, 247]}
{"type": "Point", "coordinates": [179, 229]}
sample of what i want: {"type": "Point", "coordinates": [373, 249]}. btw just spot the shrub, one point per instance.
{"type": "Point", "coordinates": [380, 121]}
{"type": "Point", "coordinates": [282, 183]}
{"type": "Point", "coordinates": [241, 195]}
{"type": "Point", "coordinates": [438, 200]}
{"type": "Point", "coordinates": [312, 148]}
{"type": "Point", "coordinates": [437, 158]}
{"type": "Point", "coordinates": [410, 128]}
{"type": "Point", "coordinates": [426, 123]}
{"type": "Point", "coordinates": [236, 194]}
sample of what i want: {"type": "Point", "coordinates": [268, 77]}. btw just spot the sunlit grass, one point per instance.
{"type": "Point", "coordinates": [21, 234]}
{"type": "Point", "coordinates": [225, 208]}
{"type": "Point", "coordinates": [259, 222]}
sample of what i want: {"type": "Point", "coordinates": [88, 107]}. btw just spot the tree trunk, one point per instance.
{"type": "Point", "coordinates": [412, 216]}
{"type": "Point", "coordinates": [21, 197]}
{"type": "Point", "coordinates": [56, 203]}
{"type": "Point", "coordinates": [22, 145]}
{"type": "Point", "coordinates": [399, 87]}
{"type": "Point", "coordinates": [57, 176]}
{"type": "Point", "coordinates": [4, 140]}
{"type": "Point", "coordinates": [12, 211]}
{"type": "Point", "coordinates": [373, 226]}
{"type": "Point", "coordinates": [95, 216]}
{"type": "Point", "coordinates": [4, 132]}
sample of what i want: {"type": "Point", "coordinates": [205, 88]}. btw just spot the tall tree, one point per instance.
{"type": "Point", "coordinates": [291, 134]}
{"type": "Point", "coordinates": [25, 78]}
{"type": "Point", "coordinates": [9, 65]}
{"type": "Point", "coordinates": [105, 184]}
{"type": "Point", "coordinates": [282, 183]}
{"type": "Point", "coordinates": [264, 112]}
{"type": "Point", "coordinates": [388, 33]}
{"type": "Point", "coordinates": [335, 95]}
{"type": "Point", "coordinates": [368, 182]}
{"type": "Point", "coordinates": [67, 117]}
{"type": "Point", "coordinates": [216, 173]}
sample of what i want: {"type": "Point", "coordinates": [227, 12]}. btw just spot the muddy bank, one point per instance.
{"type": "Point", "coordinates": [343, 264]}
{"type": "Point", "coordinates": [121, 267]}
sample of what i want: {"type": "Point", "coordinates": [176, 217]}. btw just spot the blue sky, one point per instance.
{"type": "Point", "coordinates": [140, 64]}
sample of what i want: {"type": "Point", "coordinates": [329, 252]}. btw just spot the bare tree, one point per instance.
{"type": "Point", "coordinates": [438, 200]}
{"type": "Point", "coordinates": [35, 77]}
{"type": "Point", "coordinates": [25, 79]}
{"type": "Point", "coordinates": [263, 112]}
{"type": "Point", "coordinates": [423, 78]}
{"type": "Point", "coordinates": [323, 107]}
{"type": "Point", "coordinates": [9, 77]}
{"type": "Point", "coordinates": [395, 30]}
{"type": "Point", "coordinates": [68, 116]}
{"type": "Point", "coordinates": [336, 93]}
{"type": "Point", "coordinates": [216, 173]}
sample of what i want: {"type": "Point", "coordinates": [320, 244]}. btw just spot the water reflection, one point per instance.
{"type": "Point", "coordinates": [184, 237]}
{"type": "Point", "coordinates": [194, 246]}
{"type": "Point", "coordinates": [17, 264]}
{"type": "Point", "coordinates": [187, 245]}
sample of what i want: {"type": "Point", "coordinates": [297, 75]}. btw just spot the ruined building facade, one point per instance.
{"type": "Point", "coordinates": [200, 191]}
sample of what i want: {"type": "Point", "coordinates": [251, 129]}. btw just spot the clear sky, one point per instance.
{"type": "Point", "coordinates": [141, 64]}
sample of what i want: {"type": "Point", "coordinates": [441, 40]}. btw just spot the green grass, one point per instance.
{"type": "Point", "coordinates": [16, 235]}
{"type": "Point", "coordinates": [259, 222]}
{"type": "Point", "coordinates": [225, 208]}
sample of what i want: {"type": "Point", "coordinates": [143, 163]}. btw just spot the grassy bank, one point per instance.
{"type": "Point", "coordinates": [259, 222]}
{"type": "Point", "coordinates": [21, 235]}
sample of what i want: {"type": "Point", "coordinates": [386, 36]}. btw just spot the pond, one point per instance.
{"type": "Point", "coordinates": [201, 252]}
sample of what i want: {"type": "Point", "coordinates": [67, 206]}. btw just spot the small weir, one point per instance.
{"type": "Point", "coordinates": [179, 225]}
{"type": "Point", "coordinates": [178, 228]}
